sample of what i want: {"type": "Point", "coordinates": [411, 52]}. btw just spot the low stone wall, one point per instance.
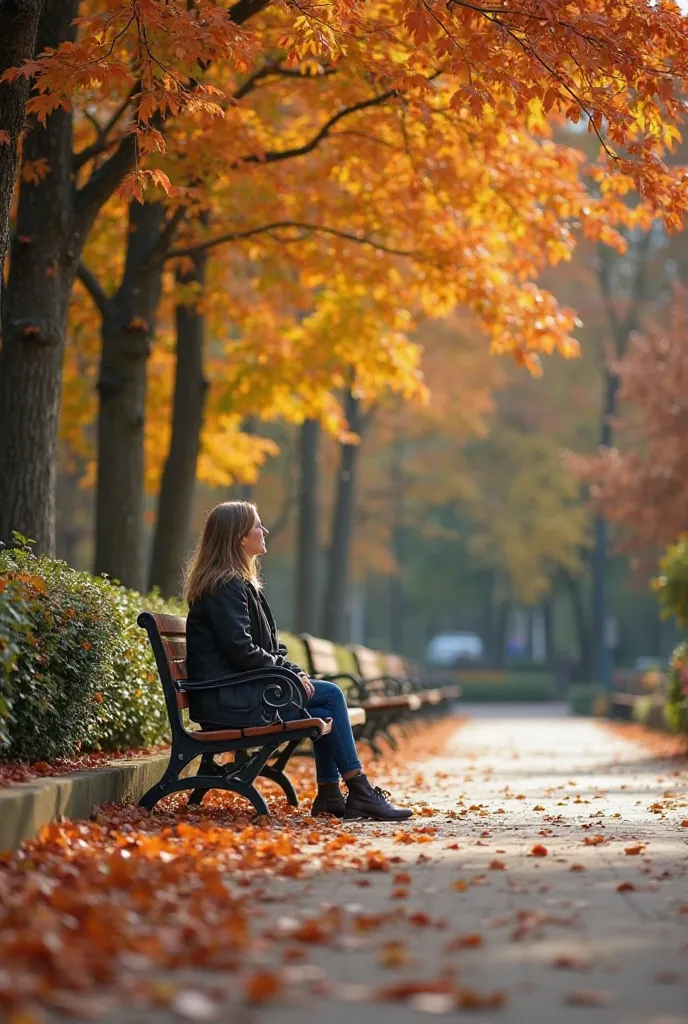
{"type": "Point", "coordinates": [26, 807]}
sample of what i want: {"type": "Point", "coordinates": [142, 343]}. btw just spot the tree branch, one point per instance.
{"type": "Point", "coordinates": [237, 236]}
{"type": "Point", "coordinates": [102, 143]}
{"type": "Point", "coordinates": [159, 251]}
{"type": "Point", "coordinates": [241, 11]}
{"type": "Point", "coordinates": [94, 288]}
{"type": "Point", "coordinates": [307, 147]}
{"type": "Point", "coordinates": [103, 182]}
{"type": "Point", "coordinates": [274, 70]}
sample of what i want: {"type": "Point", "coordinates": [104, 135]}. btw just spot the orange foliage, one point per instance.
{"type": "Point", "coordinates": [642, 485]}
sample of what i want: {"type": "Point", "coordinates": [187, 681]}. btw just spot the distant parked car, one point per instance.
{"type": "Point", "coordinates": [449, 649]}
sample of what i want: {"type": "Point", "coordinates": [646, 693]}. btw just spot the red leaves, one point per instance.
{"type": "Point", "coordinates": [625, 887]}
{"type": "Point", "coordinates": [594, 840]}
{"type": "Point", "coordinates": [376, 861]}
{"type": "Point", "coordinates": [473, 941]}
{"type": "Point", "coordinates": [539, 851]}
{"type": "Point", "coordinates": [634, 851]}
{"type": "Point", "coordinates": [262, 987]}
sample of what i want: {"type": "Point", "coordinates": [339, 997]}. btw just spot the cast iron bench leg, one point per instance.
{"type": "Point", "coordinates": [208, 766]}
{"type": "Point", "coordinates": [275, 772]}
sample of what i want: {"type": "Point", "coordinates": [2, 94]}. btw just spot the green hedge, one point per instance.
{"type": "Point", "coordinates": [676, 707]}
{"type": "Point", "coordinates": [533, 688]}
{"type": "Point", "coordinates": [76, 672]}
{"type": "Point", "coordinates": [587, 699]}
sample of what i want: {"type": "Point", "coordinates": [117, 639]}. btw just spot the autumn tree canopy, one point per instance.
{"type": "Point", "coordinates": [336, 157]}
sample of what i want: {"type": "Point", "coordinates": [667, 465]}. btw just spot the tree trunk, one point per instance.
{"type": "Point", "coordinates": [334, 620]}
{"type": "Point", "coordinates": [41, 275]}
{"type": "Point", "coordinates": [128, 326]}
{"type": "Point", "coordinates": [307, 542]}
{"type": "Point", "coordinates": [573, 586]}
{"type": "Point", "coordinates": [53, 222]}
{"type": "Point", "coordinates": [397, 603]}
{"type": "Point", "coordinates": [501, 624]}
{"type": "Point", "coordinates": [602, 656]}
{"type": "Point", "coordinates": [19, 21]}
{"type": "Point", "coordinates": [175, 505]}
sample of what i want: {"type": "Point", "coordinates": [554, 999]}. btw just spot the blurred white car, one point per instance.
{"type": "Point", "coordinates": [447, 649]}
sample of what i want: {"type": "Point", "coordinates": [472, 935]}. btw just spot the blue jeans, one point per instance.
{"type": "Point", "coordinates": [335, 754]}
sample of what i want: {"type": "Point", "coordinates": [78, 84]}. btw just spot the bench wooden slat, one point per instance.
{"type": "Point", "coordinates": [322, 654]}
{"type": "Point", "coordinates": [175, 648]}
{"type": "Point", "coordinates": [170, 625]}
{"type": "Point", "coordinates": [368, 662]}
{"type": "Point", "coordinates": [178, 671]}
{"type": "Point", "coordinates": [396, 666]}
{"type": "Point", "coordinates": [357, 716]}
{"type": "Point", "coordinates": [323, 726]}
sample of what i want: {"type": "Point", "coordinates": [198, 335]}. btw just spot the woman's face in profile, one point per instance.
{"type": "Point", "coordinates": [254, 541]}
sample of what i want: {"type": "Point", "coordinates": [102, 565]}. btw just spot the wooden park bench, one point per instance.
{"type": "Point", "coordinates": [380, 706]}
{"type": "Point", "coordinates": [259, 751]}
{"type": "Point", "coordinates": [434, 696]}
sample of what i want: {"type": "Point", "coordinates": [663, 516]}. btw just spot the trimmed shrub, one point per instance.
{"type": "Point", "coordinates": [672, 583]}
{"type": "Point", "coordinates": [676, 707]}
{"type": "Point", "coordinates": [76, 671]}
{"type": "Point", "coordinates": [587, 699]}
{"type": "Point", "coordinates": [534, 689]}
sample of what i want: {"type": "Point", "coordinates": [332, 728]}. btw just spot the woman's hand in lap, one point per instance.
{"type": "Point", "coordinates": [307, 685]}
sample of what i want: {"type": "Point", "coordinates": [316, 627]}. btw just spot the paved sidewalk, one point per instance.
{"type": "Point", "coordinates": [595, 928]}
{"type": "Point", "coordinates": [544, 880]}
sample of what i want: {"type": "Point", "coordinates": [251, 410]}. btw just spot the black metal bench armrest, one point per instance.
{"type": "Point", "coordinates": [396, 682]}
{"type": "Point", "coordinates": [358, 682]}
{"type": "Point", "coordinates": [254, 675]}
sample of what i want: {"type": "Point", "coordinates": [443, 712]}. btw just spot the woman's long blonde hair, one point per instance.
{"type": "Point", "coordinates": [219, 555]}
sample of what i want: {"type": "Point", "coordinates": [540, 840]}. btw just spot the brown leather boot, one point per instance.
{"type": "Point", "coordinates": [329, 800]}
{"type": "Point", "coordinates": [364, 801]}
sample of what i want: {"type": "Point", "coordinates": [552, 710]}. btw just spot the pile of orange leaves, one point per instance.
{"type": "Point", "coordinates": [93, 912]}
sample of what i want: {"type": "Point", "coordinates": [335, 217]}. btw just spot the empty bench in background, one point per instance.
{"type": "Point", "coordinates": [436, 697]}
{"type": "Point", "coordinates": [382, 707]}
{"type": "Point", "coordinates": [259, 751]}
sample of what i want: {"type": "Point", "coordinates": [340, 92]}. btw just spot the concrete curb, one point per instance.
{"type": "Point", "coordinates": [26, 807]}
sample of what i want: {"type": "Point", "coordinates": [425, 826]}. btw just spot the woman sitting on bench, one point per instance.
{"type": "Point", "coordinates": [230, 629]}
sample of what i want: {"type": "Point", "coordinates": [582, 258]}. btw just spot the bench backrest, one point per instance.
{"type": "Point", "coordinates": [167, 634]}
{"type": "Point", "coordinates": [369, 664]}
{"type": "Point", "coordinates": [322, 655]}
{"type": "Point", "coordinates": [395, 666]}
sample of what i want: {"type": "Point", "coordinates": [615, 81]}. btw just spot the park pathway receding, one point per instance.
{"type": "Point", "coordinates": [558, 893]}
{"type": "Point", "coordinates": [543, 880]}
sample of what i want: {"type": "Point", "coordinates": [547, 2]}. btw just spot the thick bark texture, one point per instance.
{"type": "Point", "coordinates": [19, 24]}
{"type": "Point", "coordinates": [307, 543]}
{"type": "Point", "coordinates": [175, 504]}
{"type": "Point", "coordinates": [41, 274]}
{"type": "Point", "coordinates": [334, 620]}
{"type": "Point", "coordinates": [128, 326]}
{"type": "Point", "coordinates": [53, 221]}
